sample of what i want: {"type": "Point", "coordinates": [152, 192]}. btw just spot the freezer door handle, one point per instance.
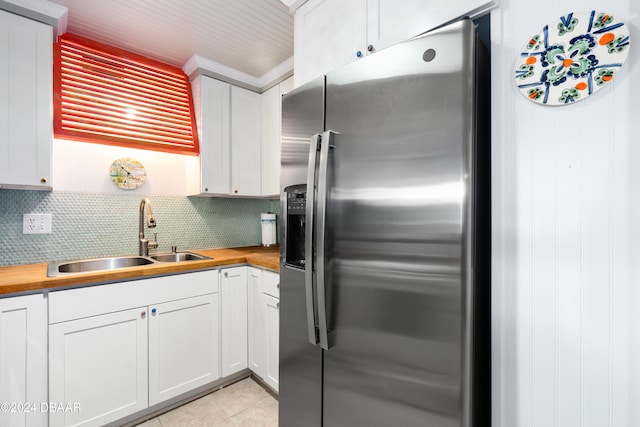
{"type": "Point", "coordinates": [321, 283]}
{"type": "Point", "coordinates": [308, 239]}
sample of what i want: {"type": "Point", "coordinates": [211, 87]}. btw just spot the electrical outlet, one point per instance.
{"type": "Point", "coordinates": [36, 223]}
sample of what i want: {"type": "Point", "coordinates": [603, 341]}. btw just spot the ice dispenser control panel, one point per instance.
{"type": "Point", "coordinates": [295, 223]}
{"type": "Point", "coordinates": [296, 203]}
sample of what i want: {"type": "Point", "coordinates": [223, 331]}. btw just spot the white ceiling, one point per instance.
{"type": "Point", "coordinates": [253, 37]}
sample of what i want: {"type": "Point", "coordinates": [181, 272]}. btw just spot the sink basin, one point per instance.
{"type": "Point", "coordinates": [178, 257]}
{"type": "Point", "coordinates": [97, 264]}
{"type": "Point", "coordinates": [63, 268]}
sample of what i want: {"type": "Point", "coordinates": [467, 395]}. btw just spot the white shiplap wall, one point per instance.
{"type": "Point", "coordinates": [566, 241]}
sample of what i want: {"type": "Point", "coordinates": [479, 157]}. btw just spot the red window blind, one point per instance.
{"type": "Point", "coordinates": [110, 96]}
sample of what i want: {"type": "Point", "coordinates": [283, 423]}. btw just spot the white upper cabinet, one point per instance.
{"type": "Point", "coordinates": [212, 105]}
{"type": "Point", "coordinates": [245, 143]}
{"type": "Point", "coordinates": [271, 117]}
{"type": "Point", "coordinates": [271, 133]}
{"type": "Point", "coordinates": [26, 85]}
{"type": "Point", "coordinates": [229, 128]}
{"type": "Point", "coordinates": [327, 34]}
{"type": "Point", "coordinates": [239, 139]}
{"type": "Point", "coordinates": [331, 33]}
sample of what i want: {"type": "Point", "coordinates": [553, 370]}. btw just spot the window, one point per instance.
{"type": "Point", "coordinates": [110, 96]}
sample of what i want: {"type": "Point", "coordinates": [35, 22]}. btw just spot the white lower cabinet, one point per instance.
{"type": "Point", "coordinates": [272, 325]}
{"type": "Point", "coordinates": [264, 323]}
{"type": "Point", "coordinates": [23, 360]}
{"type": "Point", "coordinates": [117, 349]}
{"type": "Point", "coordinates": [257, 340]}
{"type": "Point", "coordinates": [183, 346]}
{"type": "Point", "coordinates": [98, 365]}
{"type": "Point", "coordinates": [233, 319]}
{"type": "Point", "coordinates": [120, 348]}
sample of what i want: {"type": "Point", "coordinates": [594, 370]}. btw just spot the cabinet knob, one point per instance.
{"type": "Point", "coordinates": [226, 274]}
{"type": "Point", "coordinates": [235, 191]}
{"type": "Point", "coordinates": [43, 180]}
{"type": "Point", "coordinates": [359, 54]}
{"type": "Point", "coordinates": [278, 305]}
{"type": "Point", "coordinates": [206, 189]}
{"type": "Point", "coordinates": [153, 311]}
{"type": "Point", "coordinates": [370, 48]}
{"type": "Point", "coordinates": [142, 314]}
{"type": "Point", "coordinates": [278, 286]}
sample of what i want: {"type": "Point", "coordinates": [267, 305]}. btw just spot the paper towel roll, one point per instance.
{"type": "Point", "coordinates": [268, 223]}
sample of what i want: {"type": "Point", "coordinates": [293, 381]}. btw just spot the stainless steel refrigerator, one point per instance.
{"type": "Point", "coordinates": [385, 276]}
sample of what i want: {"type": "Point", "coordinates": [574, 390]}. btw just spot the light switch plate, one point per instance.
{"type": "Point", "coordinates": [36, 223]}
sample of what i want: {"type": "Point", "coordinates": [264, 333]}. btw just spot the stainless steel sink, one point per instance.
{"type": "Point", "coordinates": [178, 257]}
{"type": "Point", "coordinates": [97, 264]}
{"type": "Point", "coordinates": [63, 268]}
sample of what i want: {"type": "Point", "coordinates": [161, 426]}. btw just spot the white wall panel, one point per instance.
{"type": "Point", "coordinates": [79, 166]}
{"type": "Point", "coordinates": [565, 255]}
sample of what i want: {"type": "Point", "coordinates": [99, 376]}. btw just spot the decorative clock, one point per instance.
{"type": "Point", "coordinates": [127, 173]}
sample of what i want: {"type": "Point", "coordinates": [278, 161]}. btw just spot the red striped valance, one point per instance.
{"type": "Point", "coordinates": [110, 96]}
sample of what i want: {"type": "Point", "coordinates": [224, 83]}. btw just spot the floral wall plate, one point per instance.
{"type": "Point", "coordinates": [127, 173]}
{"type": "Point", "coordinates": [572, 58]}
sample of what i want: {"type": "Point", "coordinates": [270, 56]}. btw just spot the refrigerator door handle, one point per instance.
{"type": "Point", "coordinates": [321, 289]}
{"type": "Point", "coordinates": [309, 240]}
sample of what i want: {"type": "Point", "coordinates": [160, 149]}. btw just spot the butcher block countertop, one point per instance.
{"type": "Point", "coordinates": [33, 277]}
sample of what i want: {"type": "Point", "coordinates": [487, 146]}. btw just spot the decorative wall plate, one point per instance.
{"type": "Point", "coordinates": [127, 173]}
{"type": "Point", "coordinates": [572, 58]}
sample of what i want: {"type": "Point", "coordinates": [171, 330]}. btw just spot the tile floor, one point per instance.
{"type": "Point", "coordinates": [244, 404]}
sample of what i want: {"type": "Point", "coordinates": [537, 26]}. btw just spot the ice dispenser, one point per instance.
{"type": "Point", "coordinates": [296, 196]}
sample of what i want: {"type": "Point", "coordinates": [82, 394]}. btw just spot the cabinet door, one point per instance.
{"type": "Point", "coordinates": [271, 118]}
{"type": "Point", "coordinates": [271, 135]}
{"type": "Point", "coordinates": [328, 33]}
{"type": "Point", "coordinates": [212, 103]}
{"type": "Point", "coordinates": [392, 21]}
{"type": "Point", "coordinates": [257, 323]}
{"type": "Point", "coordinates": [245, 142]}
{"type": "Point", "coordinates": [23, 359]}
{"type": "Point", "coordinates": [26, 82]}
{"type": "Point", "coordinates": [183, 346]}
{"type": "Point", "coordinates": [271, 284]}
{"type": "Point", "coordinates": [286, 86]}
{"type": "Point", "coordinates": [272, 312]}
{"type": "Point", "coordinates": [233, 319]}
{"type": "Point", "coordinates": [99, 366]}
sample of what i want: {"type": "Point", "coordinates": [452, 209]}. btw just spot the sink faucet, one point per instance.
{"type": "Point", "coordinates": [143, 243]}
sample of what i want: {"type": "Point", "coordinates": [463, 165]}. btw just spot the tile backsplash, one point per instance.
{"type": "Point", "coordinates": [88, 225]}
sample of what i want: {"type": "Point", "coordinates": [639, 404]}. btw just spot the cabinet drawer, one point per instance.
{"type": "Point", "coordinates": [94, 300]}
{"type": "Point", "coordinates": [271, 284]}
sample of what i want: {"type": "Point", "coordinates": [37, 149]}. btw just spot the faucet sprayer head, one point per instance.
{"type": "Point", "coordinates": [151, 220]}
